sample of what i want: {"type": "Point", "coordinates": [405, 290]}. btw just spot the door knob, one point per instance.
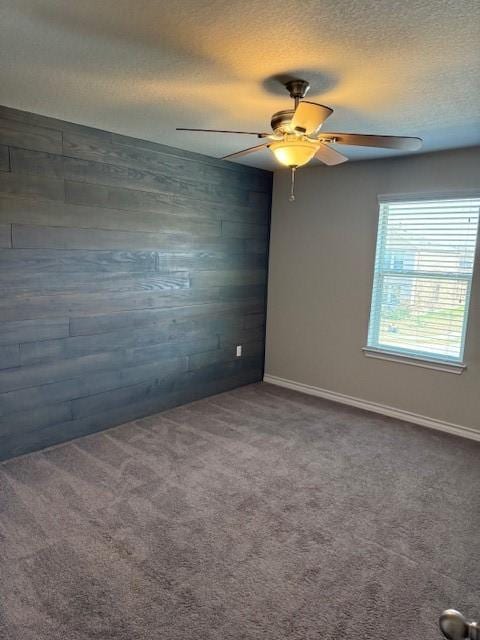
{"type": "Point", "coordinates": [455, 627]}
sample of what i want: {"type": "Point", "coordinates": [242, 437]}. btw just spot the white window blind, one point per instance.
{"type": "Point", "coordinates": [423, 276]}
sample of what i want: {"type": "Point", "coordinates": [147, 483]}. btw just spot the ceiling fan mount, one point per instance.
{"type": "Point", "coordinates": [296, 137]}
{"type": "Point", "coordinates": [297, 88]}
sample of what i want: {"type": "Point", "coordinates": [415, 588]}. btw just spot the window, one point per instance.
{"type": "Point", "coordinates": [423, 276]}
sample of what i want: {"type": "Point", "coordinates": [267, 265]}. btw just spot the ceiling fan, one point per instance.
{"type": "Point", "coordinates": [297, 137]}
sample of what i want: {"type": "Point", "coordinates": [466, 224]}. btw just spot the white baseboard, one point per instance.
{"type": "Point", "coordinates": [392, 412]}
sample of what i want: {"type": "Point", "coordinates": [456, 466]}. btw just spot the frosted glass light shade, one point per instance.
{"type": "Point", "coordinates": [293, 153]}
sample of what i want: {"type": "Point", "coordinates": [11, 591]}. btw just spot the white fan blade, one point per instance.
{"type": "Point", "coordinates": [367, 140]}
{"type": "Point", "coordinates": [329, 156]}
{"type": "Point", "coordinates": [309, 116]}
{"type": "Point", "coordinates": [244, 152]}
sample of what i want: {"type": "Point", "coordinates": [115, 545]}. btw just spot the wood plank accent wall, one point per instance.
{"type": "Point", "coordinates": [129, 272]}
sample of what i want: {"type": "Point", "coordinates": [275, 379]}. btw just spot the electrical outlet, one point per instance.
{"type": "Point", "coordinates": [239, 350]}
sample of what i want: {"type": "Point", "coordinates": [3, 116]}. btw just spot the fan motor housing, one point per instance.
{"type": "Point", "coordinates": [280, 121]}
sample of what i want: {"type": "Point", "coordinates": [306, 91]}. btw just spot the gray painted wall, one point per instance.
{"type": "Point", "coordinates": [320, 276]}
{"type": "Point", "coordinates": [129, 272]}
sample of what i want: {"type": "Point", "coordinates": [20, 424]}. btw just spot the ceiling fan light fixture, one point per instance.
{"type": "Point", "coordinates": [294, 152]}
{"type": "Point", "coordinates": [296, 138]}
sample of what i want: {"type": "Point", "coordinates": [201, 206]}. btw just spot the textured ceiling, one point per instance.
{"type": "Point", "coordinates": [141, 68]}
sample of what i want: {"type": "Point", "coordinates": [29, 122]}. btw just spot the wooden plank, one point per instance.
{"type": "Point", "coordinates": [162, 375]}
{"type": "Point", "coordinates": [119, 197]}
{"type": "Point", "coordinates": [44, 374]}
{"type": "Point", "coordinates": [174, 330]}
{"type": "Point", "coordinates": [14, 261]}
{"type": "Point", "coordinates": [160, 385]}
{"type": "Point", "coordinates": [206, 253]}
{"type": "Point", "coordinates": [20, 307]}
{"type": "Point", "coordinates": [253, 320]}
{"type": "Point", "coordinates": [17, 115]}
{"type": "Point", "coordinates": [31, 398]}
{"type": "Point", "coordinates": [90, 147]}
{"type": "Point", "coordinates": [112, 175]}
{"type": "Point", "coordinates": [30, 136]}
{"type": "Point", "coordinates": [260, 199]}
{"type": "Point", "coordinates": [233, 335]}
{"type": "Point", "coordinates": [240, 292]}
{"type": "Point", "coordinates": [244, 230]}
{"type": "Point", "coordinates": [108, 400]}
{"type": "Point", "coordinates": [99, 323]}
{"type": "Point", "coordinates": [15, 184]}
{"type": "Point", "coordinates": [34, 237]}
{"type": "Point", "coordinates": [87, 384]}
{"type": "Point", "coordinates": [59, 214]}
{"type": "Point", "coordinates": [142, 144]}
{"type": "Point", "coordinates": [82, 282]}
{"type": "Point", "coordinates": [33, 330]}
{"type": "Point", "coordinates": [217, 372]}
{"type": "Point", "coordinates": [226, 354]}
{"type": "Point", "coordinates": [4, 158]}
{"type": "Point", "coordinates": [9, 356]}
{"type": "Point", "coordinates": [36, 162]}
{"type": "Point", "coordinates": [228, 277]}
{"type": "Point", "coordinates": [256, 245]}
{"type": "Point", "coordinates": [79, 346]}
{"type": "Point", "coordinates": [172, 349]}
{"type": "Point", "coordinates": [21, 422]}
{"type": "Point", "coordinates": [5, 235]}
{"type": "Point", "coordinates": [197, 261]}
{"type": "Point", "coordinates": [188, 332]}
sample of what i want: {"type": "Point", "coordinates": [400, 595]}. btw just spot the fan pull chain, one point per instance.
{"type": "Point", "coordinates": [292, 185]}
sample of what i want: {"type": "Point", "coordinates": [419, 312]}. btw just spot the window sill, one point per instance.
{"type": "Point", "coordinates": [437, 365]}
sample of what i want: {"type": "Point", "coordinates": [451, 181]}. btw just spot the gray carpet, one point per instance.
{"type": "Point", "coordinates": [257, 513]}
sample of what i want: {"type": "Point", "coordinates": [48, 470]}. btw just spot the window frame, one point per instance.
{"type": "Point", "coordinates": [407, 356]}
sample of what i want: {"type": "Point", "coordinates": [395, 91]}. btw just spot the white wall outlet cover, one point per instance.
{"type": "Point", "coordinates": [239, 350]}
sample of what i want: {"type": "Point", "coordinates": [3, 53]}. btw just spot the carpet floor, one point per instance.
{"type": "Point", "coordinates": [260, 513]}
